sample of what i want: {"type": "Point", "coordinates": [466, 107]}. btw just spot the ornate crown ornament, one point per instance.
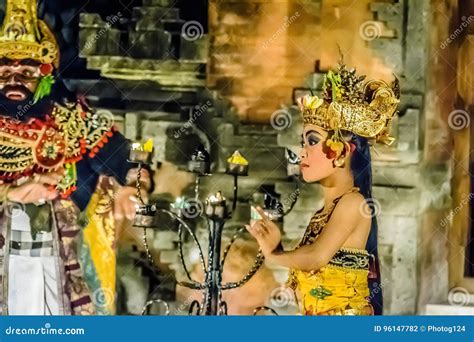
{"type": "Point", "coordinates": [348, 103]}
{"type": "Point", "coordinates": [24, 36]}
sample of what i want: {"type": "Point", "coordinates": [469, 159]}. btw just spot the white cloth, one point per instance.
{"type": "Point", "coordinates": [32, 280]}
{"type": "Point", "coordinates": [32, 286]}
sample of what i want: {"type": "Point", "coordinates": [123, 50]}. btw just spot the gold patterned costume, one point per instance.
{"type": "Point", "coordinates": [46, 134]}
{"type": "Point", "coordinates": [340, 287]}
{"type": "Point", "coordinates": [57, 141]}
{"type": "Point", "coordinates": [365, 109]}
{"type": "Point", "coordinates": [24, 36]}
{"type": "Point", "coordinates": [350, 104]}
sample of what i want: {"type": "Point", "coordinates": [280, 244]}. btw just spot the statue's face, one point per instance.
{"type": "Point", "coordinates": [19, 79]}
{"type": "Point", "coordinates": [315, 163]}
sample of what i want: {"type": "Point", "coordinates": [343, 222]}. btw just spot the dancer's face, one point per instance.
{"type": "Point", "coordinates": [315, 164]}
{"type": "Point", "coordinates": [18, 80]}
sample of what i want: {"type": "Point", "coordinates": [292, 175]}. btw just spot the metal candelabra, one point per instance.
{"type": "Point", "coordinates": [215, 213]}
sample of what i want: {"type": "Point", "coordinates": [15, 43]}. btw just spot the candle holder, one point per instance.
{"type": "Point", "coordinates": [145, 217]}
{"type": "Point", "coordinates": [200, 164]}
{"type": "Point", "coordinates": [237, 166]}
{"type": "Point", "coordinates": [142, 155]}
{"type": "Point", "coordinates": [273, 208]}
{"type": "Point", "coordinates": [216, 207]}
{"type": "Point", "coordinates": [215, 213]}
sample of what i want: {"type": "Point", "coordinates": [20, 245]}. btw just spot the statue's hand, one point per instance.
{"type": "Point", "coordinates": [39, 189]}
{"type": "Point", "coordinates": [125, 202]}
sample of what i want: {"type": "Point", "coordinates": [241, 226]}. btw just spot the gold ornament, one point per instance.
{"type": "Point", "coordinates": [70, 134]}
{"type": "Point", "coordinates": [348, 103]}
{"type": "Point", "coordinates": [339, 162]}
{"type": "Point", "coordinates": [24, 36]}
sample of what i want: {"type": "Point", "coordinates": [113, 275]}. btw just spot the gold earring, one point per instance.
{"type": "Point", "coordinates": [339, 162]}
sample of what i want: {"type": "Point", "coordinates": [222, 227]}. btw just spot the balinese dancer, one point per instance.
{"type": "Point", "coordinates": [57, 158]}
{"type": "Point", "coordinates": [335, 266]}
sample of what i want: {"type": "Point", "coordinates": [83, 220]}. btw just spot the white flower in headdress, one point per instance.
{"type": "Point", "coordinates": [309, 102]}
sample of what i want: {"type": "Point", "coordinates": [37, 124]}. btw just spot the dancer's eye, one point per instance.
{"type": "Point", "coordinates": [313, 140]}
{"type": "Point", "coordinates": [302, 143]}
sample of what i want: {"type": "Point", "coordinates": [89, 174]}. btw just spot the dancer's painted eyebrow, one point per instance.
{"type": "Point", "coordinates": [313, 131]}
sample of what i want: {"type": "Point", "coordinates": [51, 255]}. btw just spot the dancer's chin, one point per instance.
{"type": "Point", "coordinates": [306, 178]}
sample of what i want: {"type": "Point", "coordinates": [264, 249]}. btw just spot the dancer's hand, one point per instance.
{"type": "Point", "coordinates": [266, 232]}
{"type": "Point", "coordinates": [125, 202]}
{"type": "Point", "coordinates": [38, 190]}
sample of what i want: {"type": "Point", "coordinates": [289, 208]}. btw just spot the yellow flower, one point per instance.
{"type": "Point", "coordinates": [309, 102]}
{"type": "Point", "coordinates": [314, 102]}
{"type": "Point", "coordinates": [337, 146]}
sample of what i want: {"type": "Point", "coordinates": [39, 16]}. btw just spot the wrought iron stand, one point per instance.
{"type": "Point", "coordinates": [215, 213]}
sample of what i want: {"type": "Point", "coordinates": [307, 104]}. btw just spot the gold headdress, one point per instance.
{"type": "Point", "coordinates": [24, 36]}
{"type": "Point", "coordinates": [348, 103]}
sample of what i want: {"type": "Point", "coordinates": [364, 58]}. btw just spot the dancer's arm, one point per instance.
{"type": "Point", "coordinates": [344, 219]}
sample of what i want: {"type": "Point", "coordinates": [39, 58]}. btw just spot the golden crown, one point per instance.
{"type": "Point", "coordinates": [348, 103]}
{"type": "Point", "coordinates": [24, 36]}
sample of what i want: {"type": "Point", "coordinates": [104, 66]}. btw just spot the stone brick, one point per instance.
{"type": "Point", "coordinates": [161, 3]}
{"type": "Point", "coordinates": [156, 13]}
{"type": "Point", "coordinates": [150, 44]}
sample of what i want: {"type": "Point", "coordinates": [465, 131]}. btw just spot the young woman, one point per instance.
{"type": "Point", "coordinates": [335, 266]}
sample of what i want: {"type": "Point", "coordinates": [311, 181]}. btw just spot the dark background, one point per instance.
{"type": "Point", "coordinates": [63, 18]}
